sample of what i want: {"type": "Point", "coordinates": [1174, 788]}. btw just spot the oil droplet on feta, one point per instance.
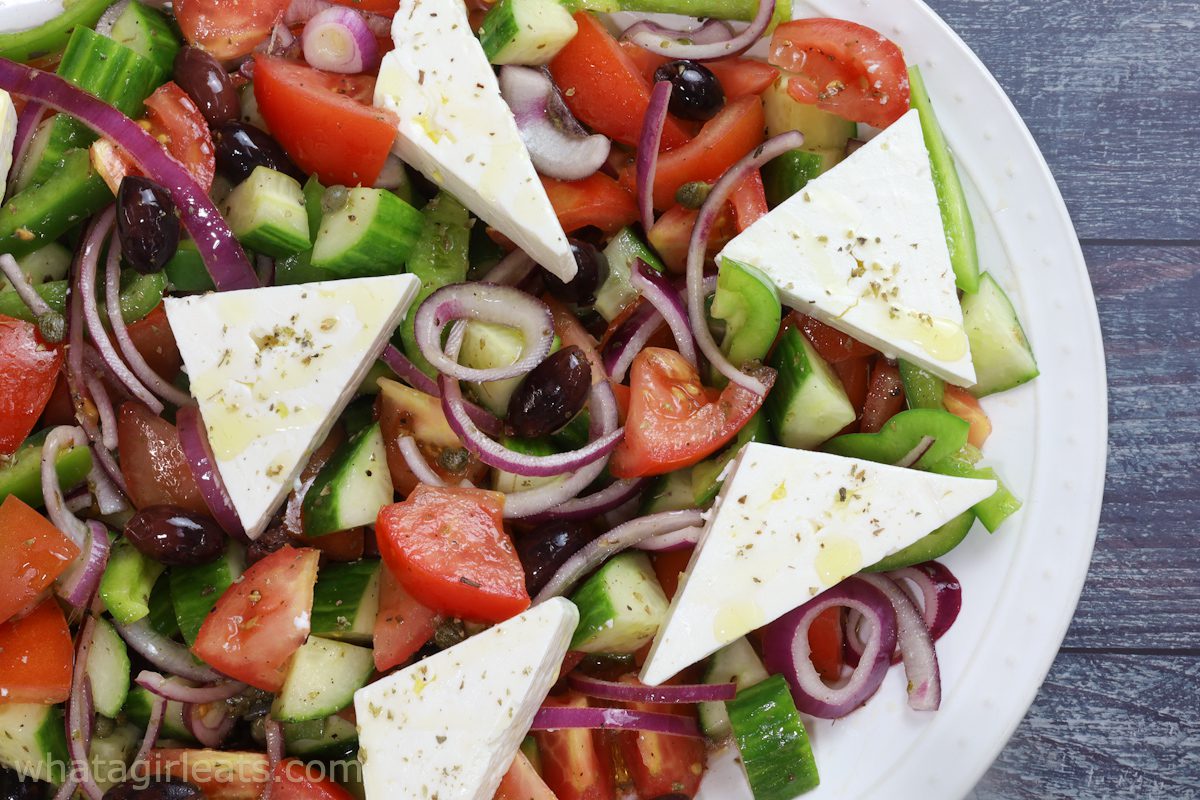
{"type": "Point", "coordinates": [942, 339]}
{"type": "Point", "coordinates": [734, 620]}
{"type": "Point", "coordinates": [837, 558]}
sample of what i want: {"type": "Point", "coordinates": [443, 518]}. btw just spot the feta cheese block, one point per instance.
{"type": "Point", "coordinates": [456, 128]}
{"type": "Point", "coordinates": [862, 248]}
{"type": "Point", "coordinates": [449, 726]}
{"type": "Point", "coordinates": [8, 135]}
{"type": "Point", "coordinates": [271, 369]}
{"type": "Point", "coordinates": [787, 525]}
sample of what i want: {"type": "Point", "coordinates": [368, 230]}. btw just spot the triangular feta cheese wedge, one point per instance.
{"type": "Point", "coordinates": [787, 525]}
{"type": "Point", "coordinates": [456, 128]}
{"type": "Point", "coordinates": [862, 248]}
{"type": "Point", "coordinates": [450, 725]}
{"type": "Point", "coordinates": [271, 369]}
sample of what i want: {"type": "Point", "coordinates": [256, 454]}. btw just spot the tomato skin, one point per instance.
{"type": "Point", "coordinates": [604, 88]}
{"type": "Point", "coordinates": [573, 764]}
{"type": "Point", "coordinates": [152, 461]}
{"type": "Point", "coordinates": [669, 567]}
{"type": "Point", "coordinates": [448, 548]}
{"type": "Point", "coordinates": [153, 339]}
{"type": "Point", "coordinates": [825, 643]}
{"type": "Point", "coordinates": [844, 68]}
{"type": "Point", "coordinates": [261, 620]}
{"type": "Point", "coordinates": [596, 200]}
{"type": "Point", "coordinates": [313, 114]}
{"type": "Point", "coordinates": [749, 201]}
{"type": "Point", "coordinates": [220, 774]}
{"type": "Point", "coordinates": [28, 370]}
{"type": "Point", "coordinates": [672, 232]}
{"type": "Point", "coordinates": [675, 421]}
{"type": "Point", "coordinates": [855, 375]}
{"type": "Point", "coordinates": [36, 656]}
{"type": "Point", "coordinates": [292, 780]}
{"type": "Point", "coordinates": [522, 782]}
{"type": "Point", "coordinates": [404, 411]}
{"type": "Point", "coordinates": [830, 343]}
{"type": "Point", "coordinates": [402, 625]}
{"type": "Point", "coordinates": [961, 403]}
{"type": "Point", "coordinates": [885, 396]}
{"type": "Point", "coordinates": [228, 29]}
{"type": "Point", "coordinates": [32, 554]}
{"type": "Point", "coordinates": [660, 764]}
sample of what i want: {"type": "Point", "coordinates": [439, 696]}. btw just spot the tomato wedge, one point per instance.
{"type": "Point", "coordinates": [672, 233]}
{"type": "Point", "coordinates": [28, 370]}
{"type": "Point", "coordinates": [830, 343]}
{"type": "Point", "coordinates": [675, 421]}
{"type": "Point", "coordinates": [844, 68]}
{"type": "Point", "coordinates": [825, 643]}
{"type": "Point", "coordinates": [35, 657]}
{"type": "Point", "coordinates": [153, 463]}
{"type": "Point", "coordinates": [522, 782]}
{"type": "Point", "coordinates": [855, 375]}
{"type": "Point", "coordinates": [603, 86]}
{"type": "Point", "coordinates": [749, 201]}
{"type": "Point", "coordinates": [402, 625]}
{"type": "Point", "coordinates": [448, 548]}
{"type": "Point", "coordinates": [294, 780]}
{"type": "Point", "coordinates": [324, 121]}
{"type": "Point", "coordinates": [152, 337]}
{"type": "Point", "coordinates": [219, 774]}
{"type": "Point", "coordinates": [961, 403]}
{"type": "Point", "coordinates": [669, 567]}
{"type": "Point", "coordinates": [228, 29]}
{"type": "Point", "coordinates": [885, 396]}
{"type": "Point", "coordinates": [261, 620]}
{"type": "Point", "coordinates": [662, 765]}
{"type": "Point", "coordinates": [407, 412]}
{"type": "Point", "coordinates": [597, 200]}
{"type": "Point", "coordinates": [32, 554]}
{"type": "Point", "coordinates": [574, 762]}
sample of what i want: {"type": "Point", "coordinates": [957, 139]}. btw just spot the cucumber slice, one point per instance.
{"type": "Point", "coordinates": [771, 737]}
{"type": "Point", "coordinates": [108, 669]}
{"type": "Point", "coordinates": [34, 742]}
{"type": "Point", "coordinates": [148, 33]}
{"type": "Point", "coordinates": [372, 234]}
{"type": "Point", "coordinates": [22, 475]}
{"type": "Point", "coordinates": [111, 753]}
{"type": "Point", "coordinates": [931, 546]}
{"type": "Point", "coordinates": [127, 582]}
{"type": "Point", "coordinates": [162, 610]}
{"type": "Point", "coordinates": [787, 174]}
{"type": "Point", "coordinates": [736, 662]}
{"type": "Point", "coordinates": [956, 216]}
{"type": "Point", "coordinates": [351, 488]}
{"type": "Point", "coordinates": [509, 482]}
{"type": "Point", "coordinates": [823, 132]}
{"type": "Point", "coordinates": [617, 293]}
{"type": "Point", "coordinates": [250, 113]}
{"type": "Point", "coordinates": [139, 706]}
{"type": "Point", "coordinates": [194, 590]}
{"type": "Point", "coordinates": [51, 263]}
{"type": "Point", "coordinates": [39, 214]}
{"type": "Point", "coordinates": [527, 32]}
{"type": "Point", "coordinates": [808, 404]}
{"type": "Point", "coordinates": [620, 607]}
{"type": "Point", "coordinates": [332, 738]}
{"type": "Point", "coordinates": [346, 601]}
{"type": "Point", "coordinates": [671, 492]}
{"type": "Point", "coordinates": [321, 680]}
{"type": "Point", "coordinates": [999, 349]}
{"type": "Point", "coordinates": [266, 213]}
{"type": "Point", "coordinates": [487, 345]}
{"type": "Point", "coordinates": [921, 389]}
{"type": "Point", "coordinates": [706, 482]}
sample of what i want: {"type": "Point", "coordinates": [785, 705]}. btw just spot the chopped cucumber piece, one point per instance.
{"type": "Point", "coordinates": [22, 475]}
{"type": "Point", "coordinates": [808, 404]}
{"type": "Point", "coordinates": [931, 546]}
{"type": "Point", "coordinates": [748, 302]}
{"type": "Point", "coordinates": [162, 610]}
{"type": "Point", "coordinates": [140, 705]}
{"type": "Point", "coordinates": [771, 737]}
{"type": "Point", "coordinates": [787, 174]}
{"type": "Point", "coordinates": [999, 349]}
{"type": "Point", "coordinates": [148, 33]}
{"type": "Point", "coordinates": [735, 662]}
{"type": "Point", "coordinates": [620, 607]}
{"type": "Point", "coordinates": [509, 482]}
{"type": "Point", "coordinates": [111, 753]}
{"type": "Point", "coordinates": [372, 234]}
{"type": "Point", "coordinates": [266, 213]}
{"type": "Point", "coordinates": [706, 475]}
{"type": "Point", "coordinates": [346, 601]}
{"type": "Point", "coordinates": [127, 582]}
{"type": "Point", "coordinates": [439, 258]}
{"type": "Point", "coordinates": [108, 669]}
{"type": "Point", "coordinates": [823, 132]}
{"type": "Point", "coordinates": [321, 680]}
{"type": "Point", "coordinates": [670, 492]}
{"type": "Point", "coordinates": [527, 32]}
{"type": "Point", "coordinates": [39, 214]}
{"type": "Point", "coordinates": [351, 488]}
{"type": "Point", "coordinates": [487, 345]}
{"type": "Point", "coordinates": [330, 738]}
{"type": "Point", "coordinates": [194, 590]}
{"type": "Point", "coordinates": [34, 741]}
{"type": "Point", "coordinates": [51, 263]}
{"type": "Point", "coordinates": [617, 292]}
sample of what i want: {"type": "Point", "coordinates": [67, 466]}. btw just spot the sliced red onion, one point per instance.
{"type": "Point", "coordinates": [27, 123]}
{"type": "Point", "coordinates": [629, 340]}
{"type": "Point", "coordinates": [224, 258]}
{"type": "Point", "coordinates": [501, 305]}
{"type": "Point", "coordinates": [80, 714]}
{"type": "Point", "coordinates": [338, 39]}
{"type": "Point", "coordinates": [914, 455]}
{"type": "Point", "coordinates": [612, 496]}
{"type": "Point", "coordinates": [61, 438]}
{"type": "Point", "coordinates": [619, 538]}
{"type": "Point", "coordinates": [408, 371]}
{"type": "Point", "coordinates": [636, 693]}
{"type": "Point", "coordinates": [104, 25]}
{"type": "Point", "coordinates": [511, 270]}
{"type": "Point", "coordinates": [158, 711]}
{"type": "Point", "coordinates": [417, 464]}
{"type": "Point", "coordinates": [647, 152]}
{"type": "Point", "coordinates": [301, 11]}
{"type": "Point", "coordinates": [275, 749]}
{"type": "Point", "coordinates": [166, 654]}
{"type": "Point", "coordinates": [209, 723]}
{"type": "Point", "coordinates": [109, 498]}
{"type": "Point", "coordinates": [78, 584]}
{"type": "Point", "coordinates": [659, 292]}
{"type": "Point", "coordinates": [711, 31]}
{"type": "Point", "coordinates": [916, 646]}
{"type": "Point", "coordinates": [786, 650]}
{"type": "Point", "coordinates": [682, 44]}
{"type": "Point", "coordinates": [193, 438]}
{"type": "Point", "coordinates": [558, 145]}
{"type": "Point", "coordinates": [675, 540]}
{"type": "Point", "coordinates": [104, 408]}
{"type": "Point", "coordinates": [697, 247]}
{"type": "Point", "coordinates": [20, 282]}
{"type": "Point", "coordinates": [173, 689]}
{"type": "Point", "coordinates": [554, 718]}
{"type": "Point", "coordinates": [940, 594]}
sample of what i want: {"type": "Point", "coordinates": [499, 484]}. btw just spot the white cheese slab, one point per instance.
{"type": "Point", "coordinates": [272, 369]}
{"type": "Point", "coordinates": [449, 726]}
{"type": "Point", "coordinates": [862, 248]}
{"type": "Point", "coordinates": [787, 525]}
{"type": "Point", "coordinates": [8, 136]}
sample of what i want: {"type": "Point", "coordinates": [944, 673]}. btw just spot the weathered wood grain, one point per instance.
{"type": "Point", "coordinates": [1110, 89]}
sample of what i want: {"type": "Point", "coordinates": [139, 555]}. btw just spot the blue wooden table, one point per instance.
{"type": "Point", "coordinates": [1111, 91]}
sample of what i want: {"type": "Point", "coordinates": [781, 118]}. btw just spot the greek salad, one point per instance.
{"type": "Point", "coordinates": [411, 399]}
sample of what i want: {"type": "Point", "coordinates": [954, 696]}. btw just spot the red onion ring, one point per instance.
{"type": "Point", "coordinates": [70, 437]}
{"type": "Point", "coordinates": [172, 689]}
{"type": "Point", "coordinates": [338, 39]}
{"type": "Point", "coordinates": [786, 649]}
{"type": "Point", "coordinates": [619, 538]}
{"type": "Point", "coordinates": [659, 293]}
{"type": "Point", "coordinates": [647, 152]}
{"type": "Point", "coordinates": [80, 715]}
{"type": "Point", "coordinates": [27, 124]}
{"type": "Point", "coordinates": [711, 31]}
{"type": "Point", "coordinates": [697, 247]}
{"type": "Point", "coordinates": [636, 693]}
{"type": "Point", "coordinates": [209, 723]}
{"type": "Point", "coordinates": [630, 339]}
{"type": "Point", "coordinates": [558, 145]}
{"type": "Point", "coordinates": [301, 11]}
{"type": "Point", "coordinates": [672, 46]}
{"type": "Point", "coordinates": [166, 654]}
{"type": "Point", "coordinates": [612, 496]}
{"type": "Point", "coordinates": [78, 584]}
{"type": "Point", "coordinates": [411, 374]}
{"type": "Point", "coordinates": [553, 718]}
{"type": "Point", "coordinates": [193, 438]}
{"type": "Point", "coordinates": [275, 750]}
{"type": "Point", "coordinates": [104, 408]}
{"type": "Point", "coordinates": [675, 540]}
{"type": "Point", "coordinates": [916, 646]}
{"type": "Point", "coordinates": [158, 711]}
{"type": "Point", "coordinates": [940, 593]}
{"type": "Point", "coordinates": [511, 270]}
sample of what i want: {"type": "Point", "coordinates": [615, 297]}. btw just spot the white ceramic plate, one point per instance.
{"type": "Point", "coordinates": [1020, 586]}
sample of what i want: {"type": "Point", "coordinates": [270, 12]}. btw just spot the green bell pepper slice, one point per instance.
{"type": "Point", "coordinates": [140, 294]}
{"type": "Point", "coordinates": [22, 474]}
{"type": "Point", "coordinates": [903, 434]}
{"type": "Point", "coordinates": [441, 257]}
{"type": "Point", "coordinates": [52, 35]}
{"type": "Point", "coordinates": [995, 509]}
{"type": "Point", "coordinates": [705, 483]}
{"type": "Point", "coordinates": [748, 302]}
{"type": "Point", "coordinates": [931, 546]}
{"type": "Point", "coordinates": [921, 389]}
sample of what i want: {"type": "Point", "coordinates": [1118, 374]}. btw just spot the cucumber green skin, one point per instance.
{"type": "Point", "coordinates": [267, 212]}
{"type": "Point", "coordinates": [705, 485]}
{"type": "Point", "coordinates": [346, 601]}
{"type": "Point", "coordinates": [717, 9]}
{"type": "Point", "coordinates": [162, 610]}
{"type": "Point", "coordinates": [108, 669]}
{"type": "Point", "coordinates": [771, 737]}
{"type": "Point", "coordinates": [787, 174]}
{"type": "Point", "coordinates": [195, 590]}
{"type": "Point", "coordinates": [22, 476]}
{"type": "Point", "coordinates": [748, 302]}
{"type": "Point", "coordinates": [921, 389]}
{"type": "Point", "coordinates": [574, 434]}
{"type": "Point", "coordinates": [736, 662]}
{"type": "Point", "coordinates": [360, 414]}
{"type": "Point", "coordinates": [40, 214]}
{"type": "Point", "coordinates": [140, 294]}
{"type": "Point", "coordinates": [313, 193]}
{"type": "Point", "coordinates": [956, 217]}
{"type": "Point", "coordinates": [50, 263]}
{"type": "Point", "coordinates": [617, 292]}
{"type": "Point", "coordinates": [138, 707]}
{"type": "Point", "coordinates": [999, 348]}
{"type": "Point", "coordinates": [322, 679]}
{"type": "Point", "coordinates": [620, 607]}
{"type": "Point", "coordinates": [508, 482]}
{"type": "Point", "coordinates": [670, 492]}
{"type": "Point", "coordinates": [808, 403]}
{"type": "Point", "coordinates": [498, 29]}
{"type": "Point", "coordinates": [385, 231]}
{"type": "Point", "coordinates": [127, 582]}
{"type": "Point", "coordinates": [514, 33]}
{"type": "Point", "coordinates": [34, 741]}
{"type": "Point", "coordinates": [324, 739]}
{"type": "Point", "coordinates": [149, 34]}
{"type": "Point", "coordinates": [439, 259]}
{"type": "Point", "coordinates": [993, 510]}
{"type": "Point", "coordinates": [52, 35]}
{"type": "Point", "coordinates": [345, 491]}
{"type": "Point", "coordinates": [931, 546]}
{"type": "Point", "coordinates": [903, 432]}
{"type": "Point", "coordinates": [111, 754]}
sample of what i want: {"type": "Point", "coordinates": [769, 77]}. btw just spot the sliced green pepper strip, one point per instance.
{"type": "Point", "coordinates": [748, 302]}
{"type": "Point", "coordinates": [22, 475]}
{"type": "Point", "coordinates": [127, 583]}
{"type": "Point", "coordinates": [38, 215]}
{"type": "Point", "coordinates": [995, 509]}
{"type": "Point", "coordinates": [140, 294]}
{"type": "Point", "coordinates": [929, 547]}
{"type": "Point", "coordinates": [52, 35]}
{"type": "Point", "coordinates": [440, 258]}
{"type": "Point", "coordinates": [705, 483]}
{"type": "Point", "coordinates": [53, 292]}
{"type": "Point", "coordinates": [162, 610]}
{"type": "Point", "coordinates": [902, 434]}
{"type": "Point", "coordinates": [921, 389]}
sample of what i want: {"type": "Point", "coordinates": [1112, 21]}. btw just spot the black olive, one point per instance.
{"type": "Point", "coordinates": [15, 787]}
{"type": "Point", "coordinates": [147, 224]}
{"type": "Point", "coordinates": [695, 91]}
{"type": "Point", "coordinates": [592, 269]}
{"type": "Point", "coordinates": [169, 789]}
{"type": "Point", "coordinates": [552, 393]}
{"type": "Point", "coordinates": [546, 548]}
{"type": "Point", "coordinates": [241, 147]}
{"type": "Point", "coordinates": [175, 536]}
{"type": "Point", "coordinates": [208, 84]}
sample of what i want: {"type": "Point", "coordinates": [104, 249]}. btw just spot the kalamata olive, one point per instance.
{"type": "Point", "coordinates": [590, 275]}
{"type": "Point", "coordinates": [169, 789]}
{"type": "Point", "coordinates": [551, 394]}
{"type": "Point", "coordinates": [546, 548]}
{"type": "Point", "coordinates": [175, 536]}
{"type": "Point", "coordinates": [695, 91]}
{"type": "Point", "coordinates": [14, 787]}
{"type": "Point", "coordinates": [208, 84]}
{"type": "Point", "coordinates": [241, 147]}
{"type": "Point", "coordinates": [146, 223]}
